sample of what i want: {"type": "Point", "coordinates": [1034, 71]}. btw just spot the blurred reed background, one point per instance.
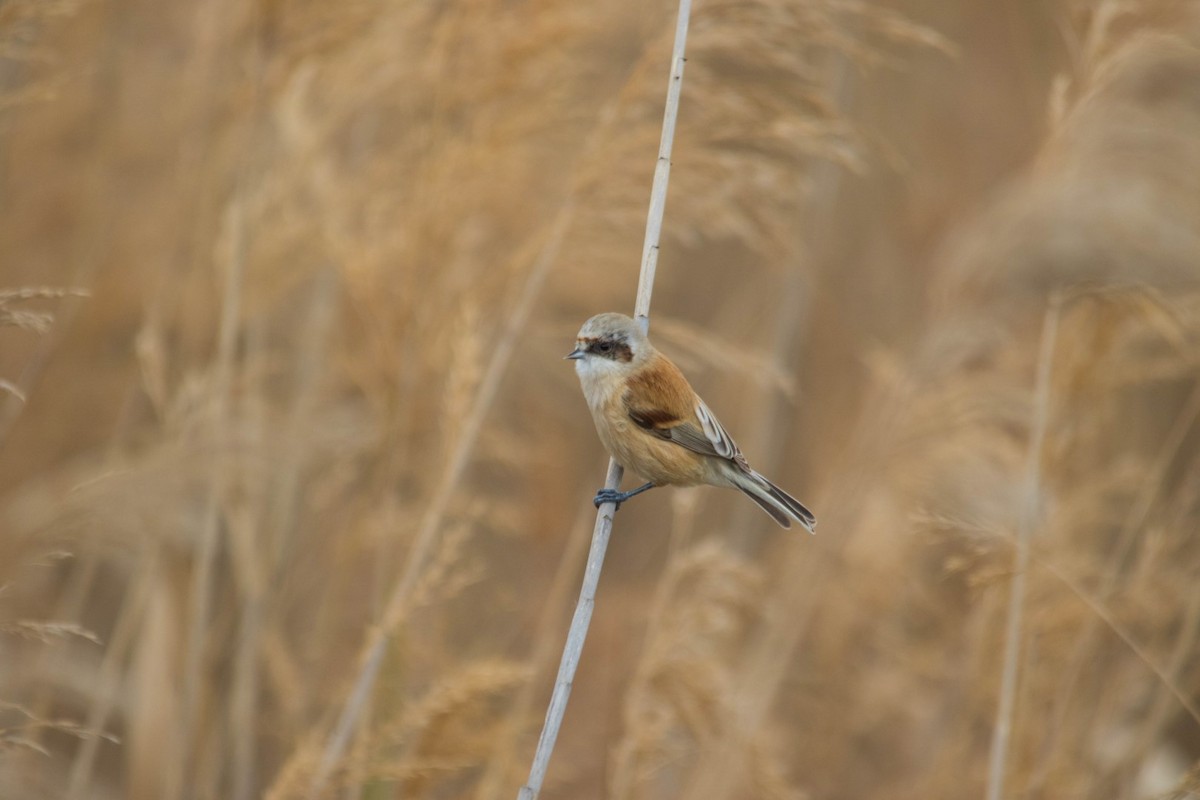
{"type": "Point", "coordinates": [332, 254]}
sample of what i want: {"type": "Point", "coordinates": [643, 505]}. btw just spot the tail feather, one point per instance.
{"type": "Point", "coordinates": [775, 501]}
{"type": "Point", "coordinates": [803, 515]}
{"type": "Point", "coordinates": [768, 506]}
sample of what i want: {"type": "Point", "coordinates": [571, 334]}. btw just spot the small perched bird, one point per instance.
{"type": "Point", "coordinates": [652, 421]}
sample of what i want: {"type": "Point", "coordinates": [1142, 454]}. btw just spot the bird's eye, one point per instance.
{"type": "Point", "coordinates": [606, 347]}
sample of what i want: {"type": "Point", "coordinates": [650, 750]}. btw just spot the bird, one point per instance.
{"type": "Point", "coordinates": [652, 422]}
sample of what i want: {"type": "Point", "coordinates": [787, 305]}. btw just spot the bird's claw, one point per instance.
{"type": "Point", "coordinates": [610, 496]}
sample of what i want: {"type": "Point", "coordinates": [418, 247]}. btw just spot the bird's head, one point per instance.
{"type": "Point", "coordinates": [610, 344]}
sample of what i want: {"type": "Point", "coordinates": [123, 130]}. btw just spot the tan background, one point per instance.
{"type": "Point", "coordinates": [318, 244]}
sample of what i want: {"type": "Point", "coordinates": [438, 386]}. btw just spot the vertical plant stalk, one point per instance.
{"type": "Point", "coordinates": [604, 515]}
{"type": "Point", "coordinates": [108, 679]}
{"type": "Point", "coordinates": [371, 658]}
{"type": "Point", "coordinates": [1152, 483]}
{"type": "Point", "coordinates": [495, 777]}
{"type": "Point", "coordinates": [772, 652]}
{"type": "Point", "coordinates": [817, 209]}
{"type": "Point", "coordinates": [268, 554]}
{"type": "Point", "coordinates": [1002, 731]}
{"type": "Point", "coordinates": [624, 761]}
{"type": "Point", "coordinates": [204, 570]}
{"type": "Point", "coordinates": [662, 170]}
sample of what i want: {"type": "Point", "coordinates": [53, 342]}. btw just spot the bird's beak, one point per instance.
{"type": "Point", "coordinates": [574, 355]}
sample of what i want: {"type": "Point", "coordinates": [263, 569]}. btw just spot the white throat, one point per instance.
{"type": "Point", "coordinates": [600, 378]}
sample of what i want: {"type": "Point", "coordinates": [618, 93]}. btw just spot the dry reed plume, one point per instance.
{"type": "Point", "coordinates": [333, 254]}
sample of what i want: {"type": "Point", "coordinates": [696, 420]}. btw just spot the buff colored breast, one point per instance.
{"type": "Point", "coordinates": [643, 453]}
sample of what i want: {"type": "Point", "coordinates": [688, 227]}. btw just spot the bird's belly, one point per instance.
{"type": "Point", "coordinates": [654, 459]}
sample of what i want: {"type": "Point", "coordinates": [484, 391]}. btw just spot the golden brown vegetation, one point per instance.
{"type": "Point", "coordinates": [332, 254]}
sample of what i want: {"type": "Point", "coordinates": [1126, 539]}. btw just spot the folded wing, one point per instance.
{"type": "Point", "coordinates": [697, 430]}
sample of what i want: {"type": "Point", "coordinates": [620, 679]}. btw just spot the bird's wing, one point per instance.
{"type": "Point", "coordinates": [715, 433]}
{"type": "Point", "coordinates": [680, 417]}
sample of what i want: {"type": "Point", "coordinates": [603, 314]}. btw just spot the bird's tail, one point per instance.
{"type": "Point", "coordinates": [782, 507]}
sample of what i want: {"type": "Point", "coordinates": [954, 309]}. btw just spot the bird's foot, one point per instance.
{"type": "Point", "coordinates": [610, 496]}
{"type": "Point", "coordinates": [615, 496]}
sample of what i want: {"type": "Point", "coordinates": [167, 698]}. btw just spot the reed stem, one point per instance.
{"type": "Point", "coordinates": [577, 634]}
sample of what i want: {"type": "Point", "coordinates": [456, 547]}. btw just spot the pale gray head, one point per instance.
{"type": "Point", "coordinates": [609, 343]}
